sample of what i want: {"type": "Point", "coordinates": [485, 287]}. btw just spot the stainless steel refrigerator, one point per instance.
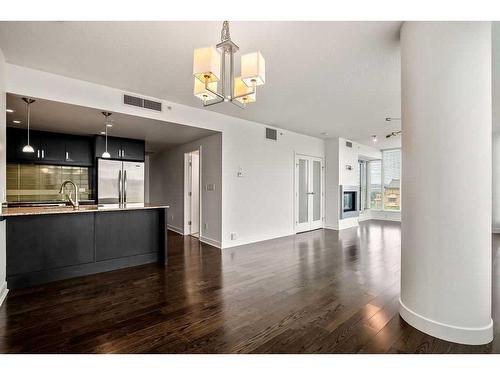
{"type": "Point", "coordinates": [120, 182]}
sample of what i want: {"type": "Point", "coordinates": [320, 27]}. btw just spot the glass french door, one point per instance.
{"type": "Point", "coordinates": [308, 193]}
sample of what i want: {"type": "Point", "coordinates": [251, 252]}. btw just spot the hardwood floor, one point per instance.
{"type": "Point", "coordinates": [316, 292]}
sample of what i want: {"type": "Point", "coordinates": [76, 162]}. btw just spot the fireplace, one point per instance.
{"type": "Point", "coordinates": [348, 201]}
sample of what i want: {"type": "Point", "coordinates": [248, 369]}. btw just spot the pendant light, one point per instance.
{"type": "Point", "coordinates": [107, 125]}
{"type": "Point", "coordinates": [28, 148]}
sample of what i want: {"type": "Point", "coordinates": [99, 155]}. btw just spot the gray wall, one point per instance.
{"type": "Point", "coordinates": [166, 185]}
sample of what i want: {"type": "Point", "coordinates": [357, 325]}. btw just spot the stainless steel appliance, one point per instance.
{"type": "Point", "coordinates": [120, 182]}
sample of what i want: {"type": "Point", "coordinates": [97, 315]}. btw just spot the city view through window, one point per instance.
{"type": "Point", "coordinates": [388, 196]}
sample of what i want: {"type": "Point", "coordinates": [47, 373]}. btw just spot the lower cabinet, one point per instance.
{"type": "Point", "coordinates": [118, 235]}
{"type": "Point", "coordinates": [44, 248]}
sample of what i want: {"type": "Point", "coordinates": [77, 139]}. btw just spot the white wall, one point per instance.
{"type": "Point", "coordinates": [167, 185]}
{"type": "Point", "coordinates": [258, 205]}
{"type": "Point", "coordinates": [3, 283]}
{"type": "Point", "coordinates": [338, 157]}
{"type": "Point", "coordinates": [496, 182]}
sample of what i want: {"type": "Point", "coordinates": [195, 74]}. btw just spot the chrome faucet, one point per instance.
{"type": "Point", "coordinates": [74, 203]}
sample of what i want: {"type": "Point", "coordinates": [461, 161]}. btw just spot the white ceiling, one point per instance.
{"type": "Point", "coordinates": [72, 119]}
{"type": "Point", "coordinates": [342, 78]}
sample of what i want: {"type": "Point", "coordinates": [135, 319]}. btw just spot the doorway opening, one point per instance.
{"type": "Point", "coordinates": [192, 193]}
{"type": "Point", "coordinates": [309, 193]}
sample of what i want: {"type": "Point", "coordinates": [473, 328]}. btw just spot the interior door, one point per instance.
{"type": "Point", "coordinates": [195, 193]}
{"type": "Point", "coordinates": [308, 193]}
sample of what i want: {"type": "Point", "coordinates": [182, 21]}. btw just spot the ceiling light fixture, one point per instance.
{"type": "Point", "coordinates": [28, 148]}
{"type": "Point", "coordinates": [107, 125]}
{"type": "Point", "coordinates": [374, 138]}
{"type": "Point", "coordinates": [209, 69]}
{"type": "Point", "coordinates": [9, 110]}
{"type": "Point", "coordinates": [393, 134]}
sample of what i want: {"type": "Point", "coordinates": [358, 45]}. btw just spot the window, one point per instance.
{"type": "Point", "coordinates": [392, 179]}
{"type": "Point", "coordinates": [363, 191]}
{"type": "Point", "coordinates": [375, 184]}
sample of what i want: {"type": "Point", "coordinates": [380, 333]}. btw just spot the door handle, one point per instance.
{"type": "Point", "coordinates": [119, 186]}
{"type": "Point", "coordinates": [124, 186]}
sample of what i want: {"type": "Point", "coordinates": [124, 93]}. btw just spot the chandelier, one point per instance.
{"type": "Point", "coordinates": [209, 70]}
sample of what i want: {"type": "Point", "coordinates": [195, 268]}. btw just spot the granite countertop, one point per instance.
{"type": "Point", "coordinates": [27, 211]}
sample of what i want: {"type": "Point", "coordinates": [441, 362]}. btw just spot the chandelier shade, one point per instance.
{"type": "Point", "coordinates": [253, 69]}
{"type": "Point", "coordinates": [242, 92]}
{"type": "Point", "coordinates": [205, 91]}
{"type": "Point", "coordinates": [214, 72]}
{"type": "Point", "coordinates": [206, 64]}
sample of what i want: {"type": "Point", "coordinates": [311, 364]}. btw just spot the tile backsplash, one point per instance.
{"type": "Point", "coordinates": [33, 182]}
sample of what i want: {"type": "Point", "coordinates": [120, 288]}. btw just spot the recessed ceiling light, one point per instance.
{"type": "Point", "coordinates": [109, 125]}
{"type": "Point", "coordinates": [103, 133]}
{"type": "Point", "coordinates": [374, 138]}
{"type": "Point", "coordinates": [16, 122]}
{"type": "Point", "coordinates": [10, 110]}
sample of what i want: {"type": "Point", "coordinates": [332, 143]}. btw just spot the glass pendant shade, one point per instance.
{"type": "Point", "coordinates": [28, 148]}
{"type": "Point", "coordinates": [206, 64]}
{"type": "Point", "coordinates": [253, 69]}
{"type": "Point", "coordinates": [105, 155]}
{"type": "Point", "coordinates": [202, 93]}
{"type": "Point", "coordinates": [240, 88]}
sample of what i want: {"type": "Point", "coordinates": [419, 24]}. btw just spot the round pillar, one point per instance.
{"type": "Point", "coordinates": [446, 251]}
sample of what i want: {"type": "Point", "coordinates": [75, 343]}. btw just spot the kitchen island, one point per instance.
{"type": "Point", "coordinates": [53, 243]}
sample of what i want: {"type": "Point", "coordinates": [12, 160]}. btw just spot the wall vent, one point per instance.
{"type": "Point", "coordinates": [142, 103]}
{"type": "Point", "coordinates": [348, 144]}
{"type": "Point", "coordinates": [150, 104]}
{"type": "Point", "coordinates": [271, 134]}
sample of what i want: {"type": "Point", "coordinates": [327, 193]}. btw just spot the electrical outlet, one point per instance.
{"type": "Point", "coordinates": [233, 236]}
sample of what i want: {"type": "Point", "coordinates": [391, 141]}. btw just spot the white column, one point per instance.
{"type": "Point", "coordinates": [446, 183]}
{"type": "Point", "coordinates": [3, 271]}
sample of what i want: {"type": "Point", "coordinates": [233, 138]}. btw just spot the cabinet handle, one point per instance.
{"type": "Point", "coordinates": [67, 155]}
{"type": "Point", "coordinates": [43, 154]}
{"type": "Point", "coordinates": [38, 154]}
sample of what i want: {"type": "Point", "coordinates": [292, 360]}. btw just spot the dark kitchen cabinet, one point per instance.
{"type": "Point", "coordinates": [50, 148]}
{"type": "Point", "coordinates": [78, 150]}
{"type": "Point", "coordinates": [133, 150]}
{"type": "Point", "coordinates": [120, 148]}
{"type": "Point", "coordinates": [16, 140]}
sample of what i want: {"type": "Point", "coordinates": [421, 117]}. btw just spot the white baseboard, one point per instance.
{"type": "Point", "coordinates": [330, 227]}
{"type": "Point", "coordinates": [246, 242]}
{"type": "Point", "coordinates": [210, 241]}
{"type": "Point", "coordinates": [461, 335]}
{"type": "Point", "coordinates": [3, 292]}
{"type": "Point", "coordinates": [175, 229]}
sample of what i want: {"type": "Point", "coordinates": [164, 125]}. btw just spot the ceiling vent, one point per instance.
{"type": "Point", "coordinates": [348, 144]}
{"type": "Point", "coordinates": [142, 103]}
{"type": "Point", "coordinates": [271, 134]}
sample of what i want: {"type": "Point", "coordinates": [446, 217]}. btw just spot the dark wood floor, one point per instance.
{"type": "Point", "coordinates": [317, 292]}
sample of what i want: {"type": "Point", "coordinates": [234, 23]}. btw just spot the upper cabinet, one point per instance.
{"type": "Point", "coordinates": [50, 148]}
{"type": "Point", "coordinates": [120, 148]}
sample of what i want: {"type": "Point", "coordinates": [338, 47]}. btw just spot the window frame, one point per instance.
{"type": "Point", "coordinates": [382, 182]}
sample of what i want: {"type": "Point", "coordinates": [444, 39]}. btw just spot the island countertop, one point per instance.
{"type": "Point", "coordinates": [28, 211]}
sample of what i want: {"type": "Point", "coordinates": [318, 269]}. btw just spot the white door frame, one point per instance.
{"type": "Point", "coordinates": [311, 224]}
{"type": "Point", "coordinates": [187, 186]}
